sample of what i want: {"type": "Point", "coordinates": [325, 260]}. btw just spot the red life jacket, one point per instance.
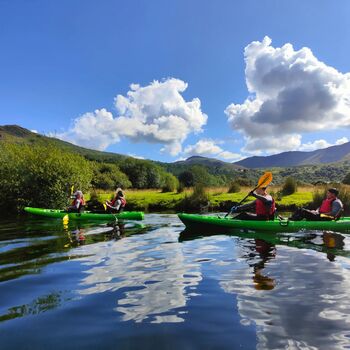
{"type": "Point", "coordinates": [122, 200]}
{"type": "Point", "coordinates": [82, 202]}
{"type": "Point", "coordinates": [326, 206]}
{"type": "Point", "coordinates": [261, 209]}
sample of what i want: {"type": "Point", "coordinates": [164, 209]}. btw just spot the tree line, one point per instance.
{"type": "Point", "coordinates": [42, 176]}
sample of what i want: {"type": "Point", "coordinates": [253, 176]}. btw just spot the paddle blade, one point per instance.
{"type": "Point", "coordinates": [65, 219]}
{"type": "Point", "coordinates": [265, 180]}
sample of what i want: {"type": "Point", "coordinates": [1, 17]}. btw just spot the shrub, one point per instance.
{"type": "Point", "coordinates": [346, 179]}
{"type": "Point", "coordinates": [40, 176]}
{"type": "Point", "coordinates": [289, 186]}
{"type": "Point", "coordinates": [234, 187]}
{"type": "Point", "coordinates": [170, 183]}
{"type": "Point", "coordinates": [197, 200]}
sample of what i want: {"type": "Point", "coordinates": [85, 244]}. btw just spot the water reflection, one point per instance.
{"type": "Point", "coordinates": [288, 302]}
{"type": "Point", "coordinates": [153, 277]}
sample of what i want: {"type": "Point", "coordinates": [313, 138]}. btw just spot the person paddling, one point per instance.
{"type": "Point", "coordinates": [263, 207]}
{"type": "Point", "coordinates": [78, 203]}
{"type": "Point", "coordinates": [330, 209]}
{"type": "Point", "coordinates": [117, 204]}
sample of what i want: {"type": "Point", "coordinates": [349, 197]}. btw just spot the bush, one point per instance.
{"type": "Point", "coordinates": [170, 183]}
{"type": "Point", "coordinates": [289, 186]}
{"type": "Point", "coordinates": [108, 176]}
{"type": "Point", "coordinates": [40, 176]}
{"type": "Point", "coordinates": [346, 179]}
{"type": "Point", "coordinates": [234, 187]}
{"type": "Point", "coordinates": [197, 200]}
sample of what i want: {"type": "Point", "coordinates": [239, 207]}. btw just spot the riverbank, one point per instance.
{"type": "Point", "coordinates": [218, 199]}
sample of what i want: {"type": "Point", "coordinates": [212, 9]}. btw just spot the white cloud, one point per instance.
{"type": "Point", "coordinates": [203, 147]}
{"type": "Point", "coordinates": [96, 130]}
{"type": "Point", "coordinates": [319, 144]}
{"type": "Point", "coordinates": [208, 147]}
{"type": "Point", "coordinates": [292, 92]}
{"type": "Point", "coordinates": [342, 140]}
{"type": "Point", "coordinates": [135, 156]}
{"type": "Point", "coordinates": [156, 113]}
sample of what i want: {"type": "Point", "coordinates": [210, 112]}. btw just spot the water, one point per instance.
{"type": "Point", "coordinates": [152, 286]}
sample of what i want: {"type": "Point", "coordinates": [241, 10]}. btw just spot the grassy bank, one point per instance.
{"type": "Point", "coordinates": [220, 200]}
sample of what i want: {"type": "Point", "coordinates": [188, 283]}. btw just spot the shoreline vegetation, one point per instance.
{"type": "Point", "coordinates": [43, 176]}
{"type": "Point", "coordinates": [214, 199]}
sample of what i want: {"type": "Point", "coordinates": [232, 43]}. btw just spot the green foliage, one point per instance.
{"type": "Point", "coordinates": [197, 200]}
{"type": "Point", "coordinates": [39, 176]}
{"type": "Point", "coordinates": [170, 183]}
{"type": "Point", "coordinates": [108, 176]}
{"type": "Point", "coordinates": [346, 179]}
{"type": "Point", "coordinates": [234, 187]}
{"type": "Point", "coordinates": [142, 173]}
{"type": "Point", "coordinates": [186, 178]}
{"type": "Point", "coordinates": [289, 186]}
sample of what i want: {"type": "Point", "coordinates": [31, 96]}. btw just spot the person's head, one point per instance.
{"type": "Point", "coordinates": [332, 193]}
{"type": "Point", "coordinates": [119, 192]}
{"type": "Point", "coordinates": [261, 191]}
{"type": "Point", "coordinates": [78, 194]}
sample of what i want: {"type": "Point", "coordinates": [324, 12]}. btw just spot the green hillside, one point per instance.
{"type": "Point", "coordinates": [328, 172]}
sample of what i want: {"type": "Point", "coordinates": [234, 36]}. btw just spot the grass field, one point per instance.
{"type": "Point", "coordinates": [155, 200]}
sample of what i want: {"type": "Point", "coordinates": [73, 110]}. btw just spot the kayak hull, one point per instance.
{"type": "Point", "coordinates": [215, 223]}
{"type": "Point", "coordinates": [86, 215]}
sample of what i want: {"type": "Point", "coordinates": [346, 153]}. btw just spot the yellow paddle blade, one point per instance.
{"type": "Point", "coordinates": [265, 180]}
{"type": "Point", "coordinates": [105, 206]}
{"type": "Point", "coordinates": [65, 219]}
{"type": "Point", "coordinates": [72, 190]}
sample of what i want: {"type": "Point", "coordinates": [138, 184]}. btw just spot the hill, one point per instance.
{"type": "Point", "coordinates": [15, 133]}
{"type": "Point", "coordinates": [324, 165]}
{"type": "Point", "coordinates": [328, 155]}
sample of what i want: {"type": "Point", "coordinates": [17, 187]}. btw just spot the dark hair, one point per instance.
{"type": "Point", "coordinates": [333, 190]}
{"type": "Point", "coordinates": [120, 194]}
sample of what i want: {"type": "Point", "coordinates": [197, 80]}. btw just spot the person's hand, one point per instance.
{"type": "Point", "coordinates": [234, 209]}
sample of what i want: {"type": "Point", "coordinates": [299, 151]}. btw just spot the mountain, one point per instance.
{"type": "Point", "coordinates": [331, 154]}
{"type": "Point", "coordinates": [15, 133]}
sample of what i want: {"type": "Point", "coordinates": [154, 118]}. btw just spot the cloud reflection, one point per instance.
{"type": "Point", "coordinates": [154, 275]}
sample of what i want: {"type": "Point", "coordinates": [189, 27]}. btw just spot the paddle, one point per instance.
{"type": "Point", "coordinates": [65, 219]}
{"type": "Point", "coordinates": [263, 182]}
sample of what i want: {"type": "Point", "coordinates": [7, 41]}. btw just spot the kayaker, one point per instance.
{"type": "Point", "coordinates": [78, 203]}
{"type": "Point", "coordinates": [263, 207]}
{"type": "Point", "coordinates": [330, 209]}
{"type": "Point", "coordinates": [117, 204]}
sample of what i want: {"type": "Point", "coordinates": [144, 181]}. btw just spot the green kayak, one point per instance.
{"type": "Point", "coordinates": [211, 223]}
{"type": "Point", "coordinates": [86, 215]}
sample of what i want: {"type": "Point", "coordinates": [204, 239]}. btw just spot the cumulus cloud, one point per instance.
{"type": "Point", "coordinates": [291, 92]}
{"type": "Point", "coordinates": [156, 113]}
{"type": "Point", "coordinates": [208, 147]}
{"type": "Point", "coordinates": [319, 144]}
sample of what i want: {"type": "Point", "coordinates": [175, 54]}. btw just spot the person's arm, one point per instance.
{"type": "Point", "coordinates": [336, 208]}
{"type": "Point", "coordinates": [245, 207]}
{"type": "Point", "coordinates": [267, 200]}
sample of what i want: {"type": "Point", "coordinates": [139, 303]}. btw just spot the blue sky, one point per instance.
{"type": "Point", "coordinates": [165, 80]}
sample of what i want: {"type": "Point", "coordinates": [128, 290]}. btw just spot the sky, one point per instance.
{"type": "Point", "coordinates": [168, 79]}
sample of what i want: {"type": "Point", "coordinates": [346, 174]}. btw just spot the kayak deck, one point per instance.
{"type": "Point", "coordinates": [86, 215]}
{"type": "Point", "coordinates": [210, 223]}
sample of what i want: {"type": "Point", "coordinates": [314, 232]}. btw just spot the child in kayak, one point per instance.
{"type": "Point", "coordinates": [78, 203]}
{"type": "Point", "coordinates": [330, 209]}
{"type": "Point", "coordinates": [263, 207]}
{"type": "Point", "coordinates": [117, 204]}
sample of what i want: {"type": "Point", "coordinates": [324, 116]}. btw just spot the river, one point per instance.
{"type": "Point", "coordinates": [152, 285]}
